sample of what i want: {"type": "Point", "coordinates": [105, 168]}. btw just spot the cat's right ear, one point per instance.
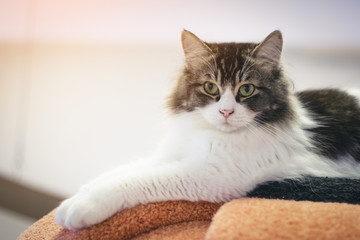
{"type": "Point", "coordinates": [194, 48]}
{"type": "Point", "coordinates": [269, 50]}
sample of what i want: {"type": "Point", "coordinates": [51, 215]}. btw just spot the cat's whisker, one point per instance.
{"type": "Point", "coordinates": [212, 67]}
{"type": "Point", "coordinates": [248, 66]}
{"type": "Point", "coordinates": [269, 127]}
{"type": "Point", "coordinates": [260, 135]}
{"type": "Point", "coordinates": [254, 131]}
{"type": "Point", "coordinates": [274, 131]}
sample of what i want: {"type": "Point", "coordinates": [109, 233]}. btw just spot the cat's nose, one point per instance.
{"type": "Point", "coordinates": [226, 112]}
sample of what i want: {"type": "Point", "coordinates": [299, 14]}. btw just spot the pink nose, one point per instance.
{"type": "Point", "coordinates": [227, 112]}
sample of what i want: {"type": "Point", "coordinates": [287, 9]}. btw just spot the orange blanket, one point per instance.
{"type": "Point", "coordinates": [248, 218]}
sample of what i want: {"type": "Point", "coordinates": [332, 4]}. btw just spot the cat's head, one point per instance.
{"type": "Point", "coordinates": [232, 84]}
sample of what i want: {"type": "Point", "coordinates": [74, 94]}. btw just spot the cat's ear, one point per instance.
{"type": "Point", "coordinates": [194, 48]}
{"type": "Point", "coordinates": [269, 50]}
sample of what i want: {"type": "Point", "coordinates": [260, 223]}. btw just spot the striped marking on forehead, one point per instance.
{"type": "Point", "coordinates": [229, 70]}
{"type": "Point", "coordinates": [231, 62]}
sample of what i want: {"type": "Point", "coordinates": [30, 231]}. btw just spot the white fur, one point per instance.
{"type": "Point", "coordinates": [205, 157]}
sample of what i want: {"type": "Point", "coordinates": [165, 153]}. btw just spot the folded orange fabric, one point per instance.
{"type": "Point", "coordinates": [134, 222]}
{"type": "Point", "coordinates": [248, 218]}
{"type": "Point", "coordinates": [257, 219]}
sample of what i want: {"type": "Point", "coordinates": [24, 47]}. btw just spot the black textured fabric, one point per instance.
{"type": "Point", "coordinates": [317, 189]}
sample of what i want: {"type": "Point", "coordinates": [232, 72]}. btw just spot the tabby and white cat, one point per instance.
{"type": "Point", "coordinates": [236, 123]}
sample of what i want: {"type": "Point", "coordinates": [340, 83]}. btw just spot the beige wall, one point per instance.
{"type": "Point", "coordinates": [71, 112]}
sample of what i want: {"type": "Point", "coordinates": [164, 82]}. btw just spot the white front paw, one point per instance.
{"type": "Point", "coordinates": [81, 211]}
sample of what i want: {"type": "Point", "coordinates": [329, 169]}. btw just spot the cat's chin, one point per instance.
{"type": "Point", "coordinates": [228, 128]}
{"type": "Point", "coordinates": [225, 126]}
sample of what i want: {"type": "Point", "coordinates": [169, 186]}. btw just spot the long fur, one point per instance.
{"type": "Point", "coordinates": [204, 158]}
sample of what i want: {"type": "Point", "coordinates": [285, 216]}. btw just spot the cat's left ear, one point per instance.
{"type": "Point", "coordinates": [269, 50]}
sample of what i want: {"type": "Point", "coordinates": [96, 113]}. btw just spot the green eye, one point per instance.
{"type": "Point", "coordinates": [211, 88]}
{"type": "Point", "coordinates": [247, 90]}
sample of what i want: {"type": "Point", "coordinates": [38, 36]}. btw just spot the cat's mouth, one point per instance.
{"type": "Point", "coordinates": [232, 124]}
{"type": "Point", "coordinates": [227, 126]}
{"type": "Point", "coordinates": [226, 122]}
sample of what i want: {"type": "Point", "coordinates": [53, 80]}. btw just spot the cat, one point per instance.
{"type": "Point", "coordinates": [236, 123]}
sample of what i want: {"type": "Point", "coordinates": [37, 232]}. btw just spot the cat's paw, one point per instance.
{"type": "Point", "coordinates": [80, 211]}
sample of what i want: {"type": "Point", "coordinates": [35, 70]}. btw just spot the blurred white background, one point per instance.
{"type": "Point", "coordinates": [82, 83]}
